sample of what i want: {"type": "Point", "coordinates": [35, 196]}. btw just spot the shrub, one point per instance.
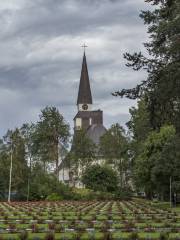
{"type": "Point", "coordinates": [12, 227]}
{"type": "Point", "coordinates": [82, 194]}
{"type": "Point", "coordinates": [103, 195]}
{"type": "Point", "coordinates": [108, 236]}
{"type": "Point", "coordinates": [100, 178]}
{"type": "Point", "coordinates": [54, 197]}
{"type": "Point", "coordinates": [49, 236]}
{"type": "Point", "coordinates": [164, 236]}
{"type": "Point", "coordinates": [76, 236]}
{"type": "Point", "coordinates": [35, 228]}
{"type": "Point", "coordinates": [23, 235]}
{"type": "Point", "coordinates": [36, 238]}
{"type": "Point", "coordinates": [51, 226]}
{"type": "Point", "coordinates": [133, 236]}
{"type": "Point", "coordinates": [87, 194]}
{"type": "Point", "coordinates": [123, 194]}
{"type": "Point", "coordinates": [59, 228]}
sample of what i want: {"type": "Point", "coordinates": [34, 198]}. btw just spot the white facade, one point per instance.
{"type": "Point", "coordinates": [78, 123]}
{"type": "Point", "coordinates": [64, 175]}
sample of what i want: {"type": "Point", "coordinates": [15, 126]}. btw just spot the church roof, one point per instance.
{"type": "Point", "coordinates": [95, 132]}
{"type": "Point", "coordinates": [88, 114]}
{"type": "Point", "coordinates": [84, 94]}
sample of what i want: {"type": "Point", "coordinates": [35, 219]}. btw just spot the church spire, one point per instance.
{"type": "Point", "coordinates": [84, 94]}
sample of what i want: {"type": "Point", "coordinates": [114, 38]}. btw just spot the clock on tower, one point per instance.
{"type": "Point", "coordinates": [85, 107]}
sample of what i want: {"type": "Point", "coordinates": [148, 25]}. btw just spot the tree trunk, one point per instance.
{"type": "Point", "coordinates": [57, 157]}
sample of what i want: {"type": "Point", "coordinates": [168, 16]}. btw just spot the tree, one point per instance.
{"type": "Point", "coordinates": [139, 124]}
{"type": "Point", "coordinates": [161, 88]}
{"type": "Point", "coordinates": [44, 184]}
{"type": "Point", "coordinates": [14, 145]}
{"type": "Point", "coordinates": [27, 132]}
{"type": "Point", "coordinates": [82, 154]}
{"type": "Point", "coordinates": [32, 147]}
{"type": "Point", "coordinates": [51, 131]}
{"type": "Point", "coordinates": [157, 162]}
{"type": "Point", "coordinates": [4, 173]}
{"type": "Point", "coordinates": [167, 166]}
{"type": "Point", "coordinates": [139, 128]}
{"type": "Point", "coordinates": [114, 146]}
{"type": "Point", "coordinates": [100, 178]}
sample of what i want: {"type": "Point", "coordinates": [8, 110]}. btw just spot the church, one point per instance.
{"type": "Point", "coordinates": [88, 119]}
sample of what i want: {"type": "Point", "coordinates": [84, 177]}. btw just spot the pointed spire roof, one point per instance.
{"type": "Point", "coordinates": [84, 94]}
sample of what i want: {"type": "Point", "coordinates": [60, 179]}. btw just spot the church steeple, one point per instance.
{"type": "Point", "coordinates": [84, 94]}
{"type": "Point", "coordinates": [88, 119]}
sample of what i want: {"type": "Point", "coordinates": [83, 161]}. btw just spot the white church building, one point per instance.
{"type": "Point", "coordinates": [86, 118]}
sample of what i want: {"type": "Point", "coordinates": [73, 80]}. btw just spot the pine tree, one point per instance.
{"type": "Point", "coordinates": [161, 89]}
{"type": "Point", "coordinates": [51, 132]}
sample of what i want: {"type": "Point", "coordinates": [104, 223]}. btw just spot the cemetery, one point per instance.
{"type": "Point", "coordinates": [135, 219]}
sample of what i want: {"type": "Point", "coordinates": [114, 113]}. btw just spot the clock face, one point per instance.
{"type": "Point", "coordinates": [85, 107]}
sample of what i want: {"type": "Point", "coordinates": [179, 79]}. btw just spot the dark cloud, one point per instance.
{"type": "Point", "coordinates": [41, 56]}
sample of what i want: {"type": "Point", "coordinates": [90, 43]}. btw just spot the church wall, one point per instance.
{"type": "Point", "coordinates": [64, 175]}
{"type": "Point", "coordinates": [97, 117]}
{"type": "Point", "coordinates": [78, 123]}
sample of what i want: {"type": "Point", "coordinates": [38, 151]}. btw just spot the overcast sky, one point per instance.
{"type": "Point", "coordinates": [41, 56]}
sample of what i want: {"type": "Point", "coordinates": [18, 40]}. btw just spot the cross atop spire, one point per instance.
{"type": "Point", "coordinates": [84, 94]}
{"type": "Point", "coordinates": [84, 46]}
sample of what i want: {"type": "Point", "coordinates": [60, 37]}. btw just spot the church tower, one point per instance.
{"type": "Point", "coordinates": [84, 100]}
{"type": "Point", "coordinates": [88, 119]}
{"type": "Point", "coordinates": [91, 121]}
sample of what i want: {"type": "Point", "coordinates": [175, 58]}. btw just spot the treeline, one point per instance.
{"type": "Point", "coordinates": [37, 149]}
{"type": "Point", "coordinates": [155, 123]}
{"type": "Point", "coordinates": [34, 151]}
{"type": "Point", "coordinates": [105, 167]}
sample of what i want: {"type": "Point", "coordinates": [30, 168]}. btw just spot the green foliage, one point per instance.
{"type": "Point", "coordinates": [13, 145]}
{"type": "Point", "coordinates": [123, 194]}
{"type": "Point", "coordinates": [158, 161]}
{"type": "Point", "coordinates": [154, 124]}
{"type": "Point", "coordinates": [54, 197]}
{"type": "Point", "coordinates": [82, 153]}
{"type": "Point", "coordinates": [161, 88]}
{"type": "Point", "coordinates": [23, 235]}
{"type": "Point", "coordinates": [50, 236]}
{"type": "Point", "coordinates": [4, 173]}
{"type": "Point", "coordinates": [114, 146]}
{"type": "Point", "coordinates": [82, 194]}
{"type": "Point", "coordinates": [44, 184]}
{"type": "Point", "coordinates": [51, 131]}
{"type": "Point", "coordinates": [100, 178]}
{"type": "Point", "coordinates": [133, 236]}
{"type": "Point", "coordinates": [83, 149]}
{"type": "Point", "coordinates": [139, 124]}
{"type": "Point", "coordinates": [164, 236]}
{"type": "Point", "coordinates": [89, 194]}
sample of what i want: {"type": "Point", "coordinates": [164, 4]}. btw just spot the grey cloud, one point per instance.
{"type": "Point", "coordinates": [52, 18]}
{"type": "Point", "coordinates": [41, 56]}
